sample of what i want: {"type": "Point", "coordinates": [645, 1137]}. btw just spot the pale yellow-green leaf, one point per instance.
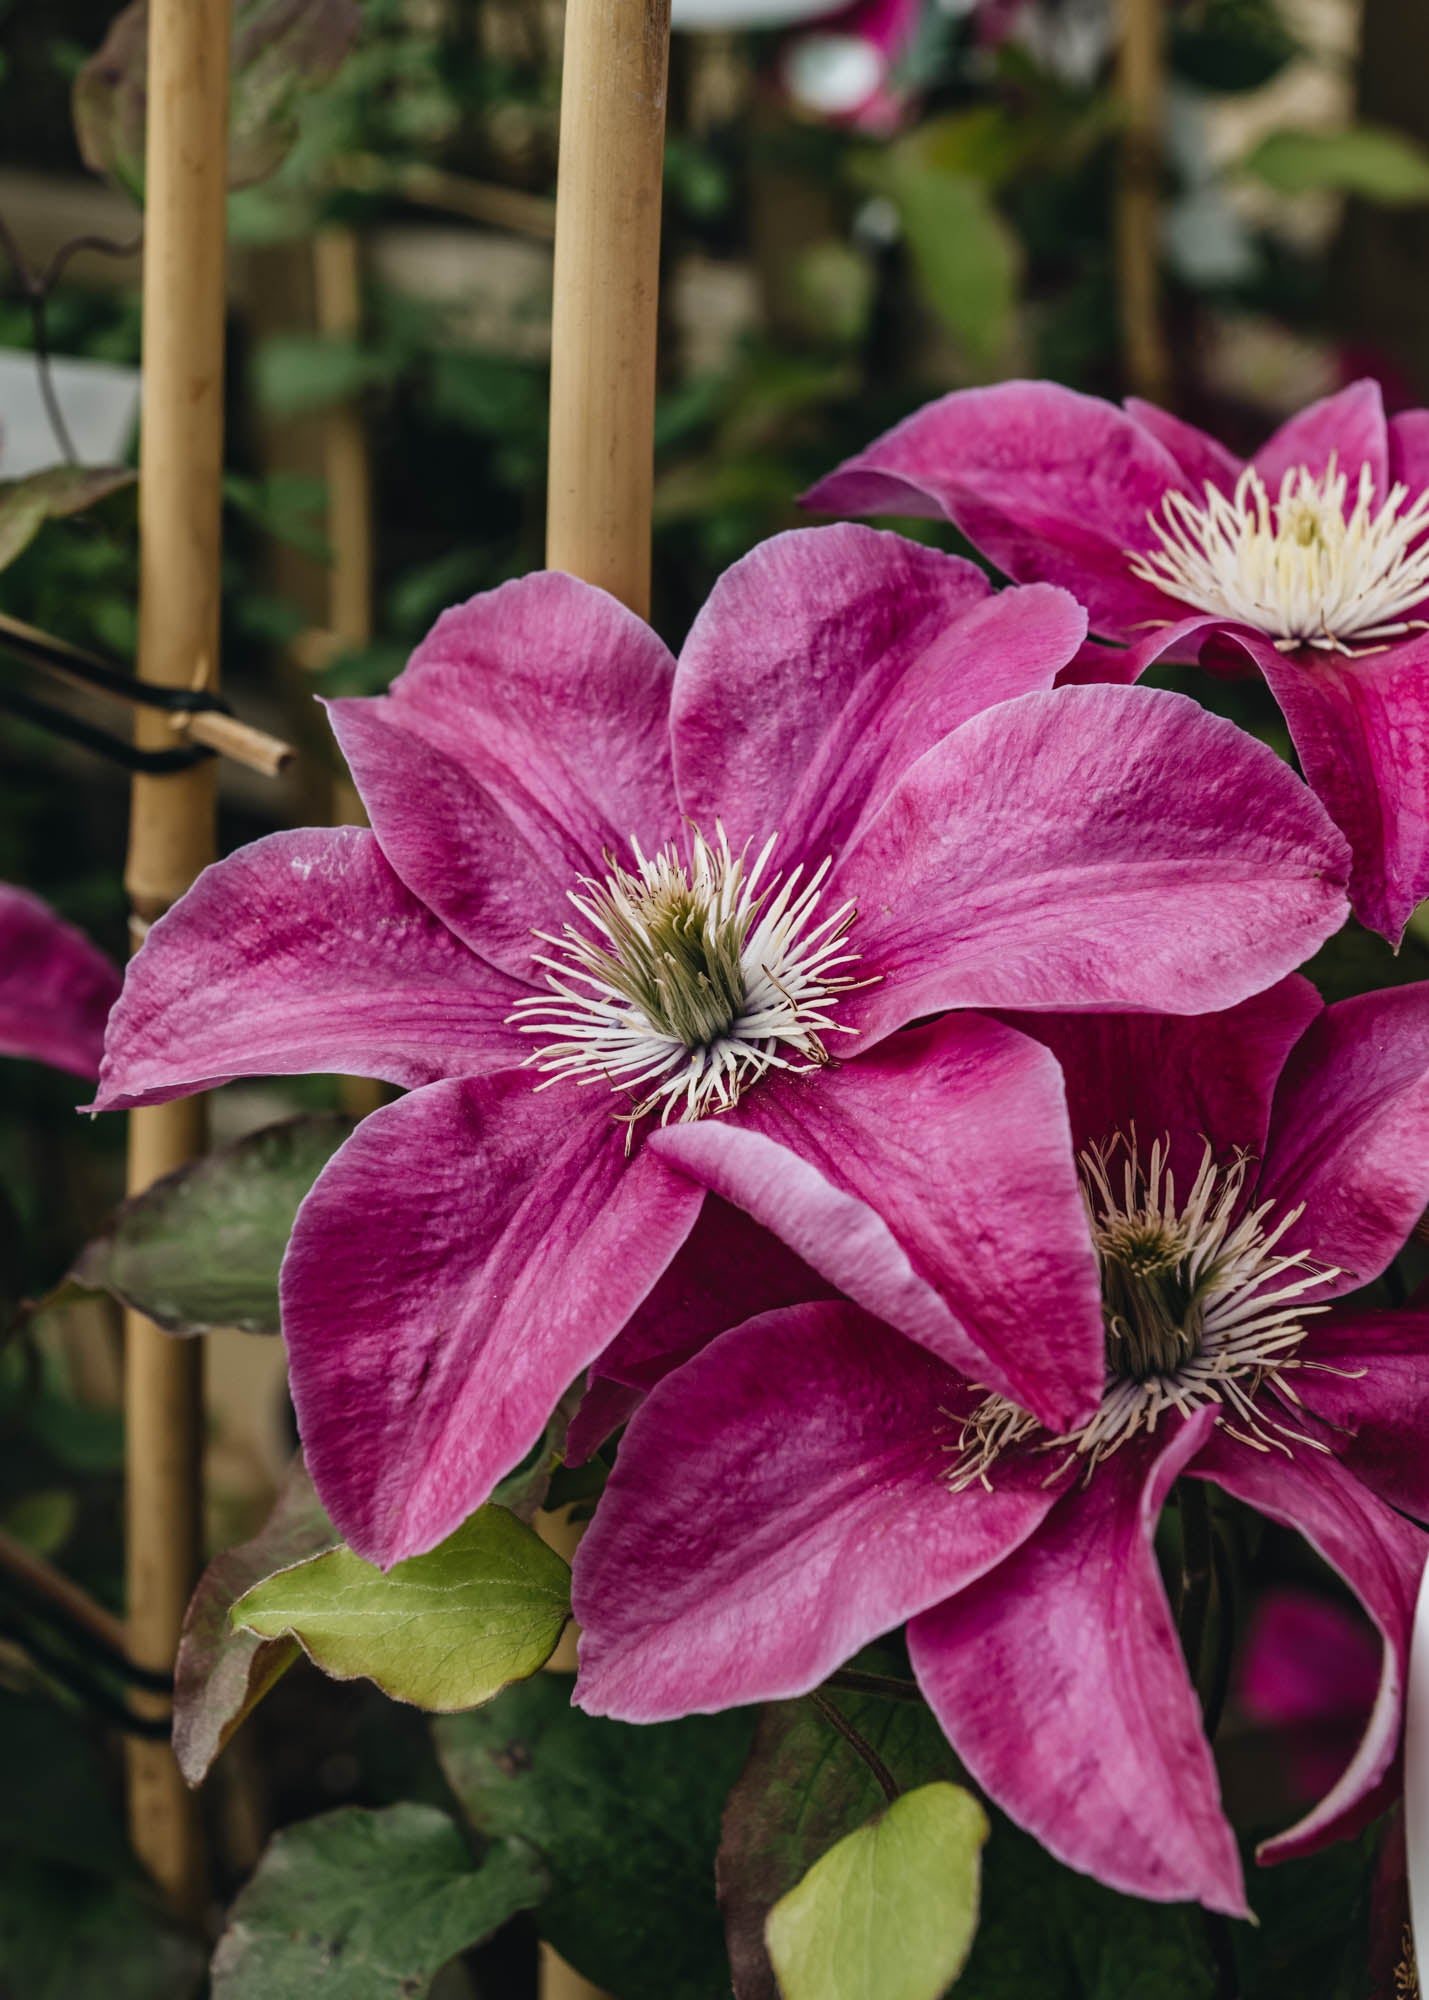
{"type": "Point", "coordinates": [891, 1911]}
{"type": "Point", "coordinates": [447, 1630]}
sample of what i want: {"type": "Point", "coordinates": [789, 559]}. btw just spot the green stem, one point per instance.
{"type": "Point", "coordinates": [885, 1687]}
{"type": "Point", "coordinates": [839, 1721]}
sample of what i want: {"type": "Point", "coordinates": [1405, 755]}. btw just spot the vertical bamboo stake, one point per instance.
{"type": "Point", "coordinates": [603, 330]}
{"type": "Point", "coordinates": [607, 280]}
{"type": "Point", "coordinates": [347, 465]}
{"type": "Point", "coordinates": [171, 833]}
{"type": "Point", "coordinates": [1141, 86]}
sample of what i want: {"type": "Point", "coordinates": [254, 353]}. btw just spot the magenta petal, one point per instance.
{"type": "Point", "coordinates": [727, 1270]}
{"type": "Point", "coordinates": [1409, 451]}
{"type": "Point", "coordinates": [537, 719]}
{"type": "Point", "coordinates": [1097, 847]}
{"type": "Point", "coordinates": [464, 1256]}
{"type": "Point", "coordinates": [1366, 1375]}
{"type": "Point", "coordinates": [1380, 1556]}
{"type": "Point", "coordinates": [1361, 730]}
{"type": "Point", "coordinates": [302, 952]}
{"type": "Point", "coordinates": [1053, 486]}
{"type": "Point", "coordinates": [1182, 1078]}
{"type": "Point", "coordinates": [1203, 459]}
{"type": "Point", "coordinates": [1349, 1136]}
{"type": "Point", "coordinates": [56, 988]}
{"type": "Point", "coordinates": [1060, 1683]}
{"type": "Point", "coordinates": [827, 661]}
{"type": "Point", "coordinates": [776, 1504]}
{"type": "Point", "coordinates": [1350, 426]}
{"type": "Point", "coordinates": [932, 1180]}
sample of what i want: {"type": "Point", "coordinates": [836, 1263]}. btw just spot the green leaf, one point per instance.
{"type": "Point", "coordinates": [201, 1248]}
{"type": "Point", "coordinates": [60, 490]}
{"type": "Point", "coordinates": [967, 260]}
{"type": "Point", "coordinates": [445, 1631]}
{"type": "Point", "coordinates": [360, 1905]}
{"type": "Point", "coordinates": [221, 1675]}
{"type": "Point", "coordinates": [628, 1821]}
{"type": "Point", "coordinates": [63, 1936]}
{"type": "Point", "coordinates": [890, 1912]}
{"type": "Point", "coordinates": [1367, 160]}
{"type": "Point", "coordinates": [282, 51]}
{"type": "Point", "coordinates": [802, 1789]}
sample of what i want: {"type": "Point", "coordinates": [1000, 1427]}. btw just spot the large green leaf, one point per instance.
{"type": "Point", "coordinates": [282, 50]}
{"type": "Point", "coordinates": [445, 1631]}
{"type": "Point", "coordinates": [889, 1913]}
{"type": "Point", "coordinates": [221, 1675]}
{"type": "Point", "coordinates": [202, 1247]}
{"type": "Point", "coordinates": [802, 1790]}
{"type": "Point", "coordinates": [364, 1905]}
{"type": "Point", "coordinates": [628, 1821]}
{"type": "Point", "coordinates": [60, 490]}
{"type": "Point", "coordinates": [67, 1936]}
{"type": "Point", "coordinates": [965, 257]}
{"type": "Point", "coordinates": [1368, 160]}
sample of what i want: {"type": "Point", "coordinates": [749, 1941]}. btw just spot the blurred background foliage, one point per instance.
{"type": "Point", "coordinates": [834, 255]}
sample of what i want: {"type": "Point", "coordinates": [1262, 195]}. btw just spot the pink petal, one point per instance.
{"type": "Point", "coordinates": [1097, 847]}
{"type": "Point", "coordinates": [537, 737]}
{"type": "Point", "coordinates": [727, 1270]}
{"type": "Point", "coordinates": [1350, 426]}
{"type": "Point", "coordinates": [1349, 1136]}
{"type": "Point", "coordinates": [932, 1180]}
{"type": "Point", "coordinates": [1409, 450]}
{"type": "Point", "coordinates": [302, 952]}
{"type": "Point", "coordinates": [1203, 459]}
{"type": "Point", "coordinates": [1182, 1079]}
{"type": "Point", "coordinates": [1307, 1660]}
{"type": "Point", "coordinates": [1361, 731]}
{"type": "Point", "coordinates": [776, 1504]}
{"type": "Point", "coordinates": [1060, 1682]}
{"type": "Point", "coordinates": [1054, 487]}
{"type": "Point", "coordinates": [56, 988]}
{"type": "Point", "coordinates": [604, 1407]}
{"type": "Point", "coordinates": [1367, 1376]}
{"type": "Point", "coordinates": [1380, 1556]}
{"type": "Point", "coordinates": [464, 1256]}
{"type": "Point", "coordinates": [827, 661]}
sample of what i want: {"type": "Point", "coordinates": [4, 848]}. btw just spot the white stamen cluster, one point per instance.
{"type": "Point", "coordinates": [1303, 569]}
{"type": "Point", "coordinates": [1200, 1307]}
{"type": "Point", "coordinates": [690, 979]}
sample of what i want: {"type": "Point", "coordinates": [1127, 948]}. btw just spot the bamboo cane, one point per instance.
{"type": "Point", "coordinates": [347, 464]}
{"type": "Point", "coordinates": [1141, 85]}
{"type": "Point", "coordinates": [603, 330]}
{"type": "Point", "coordinates": [171, 833]}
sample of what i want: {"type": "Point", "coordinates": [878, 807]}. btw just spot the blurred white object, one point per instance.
{"type": "Point", "coordinates": [1416, 1776]}
{"type": "Point", "coordinates": [98, 400]}
{"type": "Point", "coordinates": [746, 13]}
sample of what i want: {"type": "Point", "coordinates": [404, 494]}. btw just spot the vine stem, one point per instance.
{"type": "Point", "coordinates": [1197, 1571]}
{"type": "Point", "coordinates": [836, 1719]}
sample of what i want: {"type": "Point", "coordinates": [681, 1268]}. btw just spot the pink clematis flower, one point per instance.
{"type": "Point", "coordinates": [1309, 1674]}
{"type": "Point", "coordinates": [614, 917]}
{"type": "Point", "coordinates": [1309, 562]}
{"type": "Point", "coordinates": [55, 987]}
{"type": "Point", "coordinates": [812, 1479]}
